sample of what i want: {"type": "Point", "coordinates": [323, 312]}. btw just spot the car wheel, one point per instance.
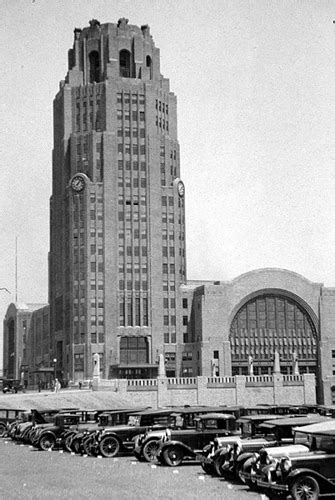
{"type": "Point", "coordinates": [89, 446]}
{"type": "Point", "coordinates": [3, 430]}
{"type": "Point", "coordinates": [67, 443]}
{"type": "Point", "coordinates": [305, 488]}
{"type": "Point", "coordinates": [109, 446]}
{"type": "Point", "coordinates": [173, 456]}
{"type": "Point", "coordinates": [75, 444]}
{"type": "Point", "coordinates": [150, 450]}
{"type": "Point", "coordinates": [219, 465]}
{"type": "Point", "coordinates": [208, 468]}
{"type": "Point", "coordinates": [47, 442]}
{"type": "Point", "coordinates": [251, 484]}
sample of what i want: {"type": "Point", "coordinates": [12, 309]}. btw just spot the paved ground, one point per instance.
{"type": "Point", "coordinates": [29, 474]}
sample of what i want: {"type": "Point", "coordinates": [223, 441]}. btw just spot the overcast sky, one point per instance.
{"type": "Point", "coordinates": [255, 82]}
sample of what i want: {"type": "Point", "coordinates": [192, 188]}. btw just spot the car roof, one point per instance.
{"type": "Point", "coordinates": [322, 428]}
{"type": "Point", "coordinates": [268, 416]}
{"type": "Point", "coordinates": [294, 421]}
{"type": "Point", "coordinates": [223, 416]}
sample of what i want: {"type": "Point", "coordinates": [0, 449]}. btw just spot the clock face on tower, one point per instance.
{"type": "Point", "coordinates": [181, 189]}
{"type": "Point", "coordinates": [77, 183]}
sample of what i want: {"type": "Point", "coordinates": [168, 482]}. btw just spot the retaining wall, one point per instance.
{"type": "Point", "coordinates": [238, 390]}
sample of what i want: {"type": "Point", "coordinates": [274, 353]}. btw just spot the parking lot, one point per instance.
{"type": "Point", "coordinates": [27, 473]}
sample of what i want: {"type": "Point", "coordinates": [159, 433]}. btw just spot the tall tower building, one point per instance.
{"type": "Point", "coordinates": [117, 215]}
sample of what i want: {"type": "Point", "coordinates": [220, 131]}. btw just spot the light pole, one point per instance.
{"type": "Point", "coordinates": [54, 362]}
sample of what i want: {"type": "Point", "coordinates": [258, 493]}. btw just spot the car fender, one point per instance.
{"type": "Point", "coordinates": [109, 434]}
{"type": "Point", "coordinates": [221, 451]}
{"type": "Point", "coordinates": [47, 433]}
{"type": "Point", "coordinates": [243, 457]}
{"type": "Point", "coordinates": [186, 449]}
{"type": "Point", "coordinates": [322, 481]}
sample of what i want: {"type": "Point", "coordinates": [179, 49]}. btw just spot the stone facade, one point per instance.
{"type": "Point", "coordinates": [16, 327]}
{"type": "Point", "coordinates": [306, 331]}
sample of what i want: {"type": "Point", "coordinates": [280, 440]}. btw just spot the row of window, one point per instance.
{"type": "Point", "coordinates": [162, 107]}
{"type": "Point", "coordinates": [134, 116]}
{"type": "Point", "coordinates": [89, 114]}
{"type": "Point", "coordinates": [133, 311]}
{"type": "Point", "coordinates": [136, 149]}
{"type": "Point", "coordinates": [126, 97]}
{"type": "Point", "coordinates": [269, 336]}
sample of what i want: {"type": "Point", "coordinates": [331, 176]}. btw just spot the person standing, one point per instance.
{"type": "Point", "coordinates": [57, 385]}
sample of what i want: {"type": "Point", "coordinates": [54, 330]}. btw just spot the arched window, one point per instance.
{"type": "Point", "coordinates": [149, 65]}
{"type": "Point", "coordinates": [94, 66]}
{"type": "Point", "coordinates": [125, 64]}
{"type": "Point", "coordinates": [269, 323]}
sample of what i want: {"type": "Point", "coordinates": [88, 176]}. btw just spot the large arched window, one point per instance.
{"type": "Point", "coordinates": [125, 64]}
{"type": "Point", "coordinates": [272, 323]}
{"type": "Point", "coordinates": [94, 66]}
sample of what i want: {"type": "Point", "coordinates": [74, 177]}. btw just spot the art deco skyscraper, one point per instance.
{"type": "Point", "coordinates": [117, 250]}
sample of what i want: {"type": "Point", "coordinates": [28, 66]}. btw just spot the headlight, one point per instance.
{"type": "Point", "coordinates": [237, 449]}
{"type": "Point", "coordinates": [286, 464]}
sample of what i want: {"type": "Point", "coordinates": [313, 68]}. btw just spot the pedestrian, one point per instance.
{"type": "Point", "coordinates": [39, 384]}
{"type": "Point", "coordinates": [57, 385]}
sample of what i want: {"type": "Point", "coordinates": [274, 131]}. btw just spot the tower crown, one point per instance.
{"type": "Point", "coordinates": [121, 50]}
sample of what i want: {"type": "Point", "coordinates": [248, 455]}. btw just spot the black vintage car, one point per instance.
{"type": "Point", "coordinates": [307, 475]}
{"type": "Point", "coordinates": [11, 386]}
{"type": "Point", "coordinates": [283, 429]}
{"type": "Point", "coordinates": [55, 435]}
{"type": "Point", "coordinates": [147, 445]}
{"type": "Point", "coordinates": [111, 440]}
{"type": "Point", "coordinates": [82, 439]}
{"type": "Point", "coordinates": [220, 457]}
{"type": "Point", "coordinates": [7, 416]}
{"type": "Point", "coordinates": [181, 444]}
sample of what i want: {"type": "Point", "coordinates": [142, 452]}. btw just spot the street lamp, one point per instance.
{"type": "Point", "coordinates": [54, 362]}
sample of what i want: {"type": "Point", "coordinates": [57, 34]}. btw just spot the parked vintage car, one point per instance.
{"type": "Point", "coordinates": [111, 440]}
{"type": "Point", "coordinates": [82, 439]}
{"type": "Point", "coordinates": [181, 444]}
{"type": "Point", "coordinates": [220, 457]}
{"type": "Point", "coordinates": [283, 428]}
{"type": "Point", "coordinates": [55, 435]}
{"type": "Point", "coordinates": [307, 475]}
{"type": "Point", "coordinates": [7, 416]}
{"type": "Point", "coordinates": [11, 386]}
{"type": "Point", "coordinates": [147, 445]}
{"type": "Point", "coordinates": [23, 430]}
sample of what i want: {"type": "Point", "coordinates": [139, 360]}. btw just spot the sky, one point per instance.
{"type": "Point", "coordinates": [255, 83]}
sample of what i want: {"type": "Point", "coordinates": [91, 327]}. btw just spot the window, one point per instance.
{"type": "Point", "coordinates": [216, 354]}
{"type": "Point", "coordinates": [170, 357]}
{"type": "Point", "coordinates": [94, 67]}
{"type": "Point", "coordinates": [185, 320]}
{"type": "Point", "coordinates": [124, 61]}
{"type": "Point", "coordinates": [185, 305]}
{"type": "Point", "coordinates": [78, 362]}
{"type": "Point", "coordinates": [187, 356]}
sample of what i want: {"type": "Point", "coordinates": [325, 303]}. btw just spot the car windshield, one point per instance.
{"type": "Point", "coordinates": [315, 441]}
{"type": "Point", "coordinates": [134, 420]}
